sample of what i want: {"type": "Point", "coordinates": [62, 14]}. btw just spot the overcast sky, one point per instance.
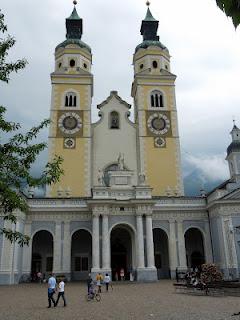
{"type": "Point", "coordinates": [203, 43]}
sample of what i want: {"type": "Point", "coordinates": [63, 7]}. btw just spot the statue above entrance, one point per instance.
{"type": "Point", "coordinates": [100, 177]}
{"type": "Point", "coordinates": [120, 161]}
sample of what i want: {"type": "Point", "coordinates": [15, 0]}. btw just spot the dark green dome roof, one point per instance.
{"type": "Point", "coordinates": [77, 42]}
{"type": "Point", "coordinates": [74, 26]}
{"type": "Point", "coordinates": [148, 43]}
{"type": "Point", "coordinates": [234, 146]}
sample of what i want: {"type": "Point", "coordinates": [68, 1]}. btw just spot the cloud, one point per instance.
{"type": "Point", "coordinates": [205, 52]}
{"type": "Point", "coordinates": [211, 167]}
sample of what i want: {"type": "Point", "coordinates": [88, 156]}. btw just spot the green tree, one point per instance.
{"type": "Point", "coordinates": [232, 9]}
{"type": "Point", "coordinates": [18, 152]}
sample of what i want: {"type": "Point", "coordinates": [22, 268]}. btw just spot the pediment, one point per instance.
{"type": "Point", "coordinates": [233, 195]}
{"type": "Point", "coordinates": [113, 94]}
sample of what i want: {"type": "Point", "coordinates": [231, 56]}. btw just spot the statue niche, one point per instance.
{"type": "Point", "coordinates": [114, 120]}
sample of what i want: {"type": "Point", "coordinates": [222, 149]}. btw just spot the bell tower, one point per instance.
{"type": "Point", "coordinates": [233, 154]}
{"type": "Point", "coordinates": [153, 90]}
{"type": "Point", "coordinates": [70, 130]}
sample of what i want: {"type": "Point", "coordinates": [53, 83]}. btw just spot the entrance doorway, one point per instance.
{"type": "Point", "coordinates": [194, 248]}
{"type": "Point", "coordinates": [42, 254]}
{"type": "Point", "coordinates": [121, 252]}
{"type": "Point", "coordinates": [161, 255]}
{"type": "Point", "coordinates": [81, 257]}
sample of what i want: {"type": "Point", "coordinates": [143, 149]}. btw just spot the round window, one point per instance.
{"type": "Point", "coordinates": [155, 64]}
{"type": "Point", "coordinates": [72, 63]}
{"type": "Point", "coordinates": [141, 66]}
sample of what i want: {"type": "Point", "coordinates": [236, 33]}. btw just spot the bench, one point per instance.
{"type": "Point", "coordinates": [196, 290]}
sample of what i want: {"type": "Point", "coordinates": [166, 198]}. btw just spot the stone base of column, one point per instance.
{"type": "Point", "coordinates": [25, 277]}
{"type": "Point", "coordinates": [173, 273]}
{"type": "Point", "coordinates": [146, 274]}
{"type": "Point", "coordinates": [94, 272]}
{"type": "Point", "coordinates": [230, 273]}
{"type": "Point", "coordinates": [66, 275]}
{"type": "Point", "coordinates": [106, 270]}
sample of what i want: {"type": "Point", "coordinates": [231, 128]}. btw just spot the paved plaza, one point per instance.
{"type": "Point", "coordinates": [126, 301]}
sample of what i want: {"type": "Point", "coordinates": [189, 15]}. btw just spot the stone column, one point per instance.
{"type": "Point", "coordinates": [149, 240]}
{"type": "Point", "coordinates": [67, 250]}
{"type": "Point", "coordinates": [57, 244]}
{"type": "Point", "coordinates": [7, 259]}
{"type": "Point", "coordinates": [181, 247]}
{"type": "Point", "coordinates": [27, 253]}
{"type": "Point", "coordinates": [105, 244]}
{"type": "Point", "coordinates": [95, 243]}
{"type": "Point", "coordinates": [172, 249]}
{"type": "Point", "coordinates": [207, 243]}
{"type": "Point", "coordinates": [140, 243]}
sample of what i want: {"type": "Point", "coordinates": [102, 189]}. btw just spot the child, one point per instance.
{"type": "Point", "coordinates": [61, 286]}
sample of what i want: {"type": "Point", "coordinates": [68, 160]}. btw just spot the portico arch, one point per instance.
{"type": "Point", "coordinates": [161, 253]}
{"type": "Point", "coordinates": [194, 243]}
{"type": "Point", "coordinates": [42, 254]}
{"type": "Point", "coordinates": [122, 250]}
{"type": "Point", "coordinates": [81, 254]}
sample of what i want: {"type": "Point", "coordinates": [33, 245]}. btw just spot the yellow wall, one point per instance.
{"type": "Point", "coordinates": [76, 161]}
{"type": "Point", "coordinates": [161, 169]}
{"type": "Point", "coordinates": [73, 167]}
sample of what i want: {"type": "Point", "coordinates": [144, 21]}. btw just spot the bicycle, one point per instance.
{"type": "Point", "coordinates": [92, 296]}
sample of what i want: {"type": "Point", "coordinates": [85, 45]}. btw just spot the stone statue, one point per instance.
{"type": "Point", "coordinates": [100, 177]}
{"type": "Point", "coordinates": [142, 178]}
{"type": "Point", "coordinates": [121, 161]}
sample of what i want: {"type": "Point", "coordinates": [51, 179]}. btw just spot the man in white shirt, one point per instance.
{"type": "Point", "coordinates": [51, 290]}
{"type": "Point", "coordinates": [107, 281]}
{"type": "Point", "coordinates": [61, 286]}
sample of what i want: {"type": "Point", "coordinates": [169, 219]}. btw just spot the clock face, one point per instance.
{"type": "Point", "coordinates": [159, 142]}
{"type": "Point", "coordinates": [69, 143]}
{"type": "Point", "coordinates": [70, 123]}
{"type": "Point", "coordinates": [158, 123]}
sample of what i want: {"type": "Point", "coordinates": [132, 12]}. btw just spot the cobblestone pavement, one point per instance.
{"type": "Point", "coordinates": [127, 301]}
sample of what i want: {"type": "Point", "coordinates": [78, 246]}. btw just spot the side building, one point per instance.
{"type": "Point", "coordinates": [121, 204]}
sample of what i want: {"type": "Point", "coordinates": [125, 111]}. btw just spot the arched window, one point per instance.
{"type": "Point", "coordinates": [114, 120]}
{"type": "Point", "coordinates": [157, 99]}
{"type": "Point", "coordinates": [70, 99]}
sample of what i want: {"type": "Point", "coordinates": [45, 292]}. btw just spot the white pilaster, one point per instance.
{"type": "Point", "coordinates": [7, 259]}
{"type": "Point", "coordinates": [207, 244]}
{"type": "Point", "coordinates": [140, 243]}
{"type": "Point", "coordinates": [149, 240]}
{"type": "Point", "coordinates": [105, 243]}
{"type": "Point", "coordinates": [172, 248]}
{"type": "Point", "coordinates": [27, 251]}
{"type": "Point", "coordinates": [57, 248]}
{"type": "Point", "coordinates": [181, 247]}
{"type": "Point", "coordinates": [67, 248]}
{"type": "Point", "coordinates": [95, 243]}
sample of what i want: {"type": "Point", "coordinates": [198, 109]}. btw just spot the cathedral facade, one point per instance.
{"type": "Point", "coordinates": [120, 203]}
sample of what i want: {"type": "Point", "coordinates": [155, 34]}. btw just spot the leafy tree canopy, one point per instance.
{"type": "Point", "coordinates": [232, 9]}
{"type": "Point", "coordinates": [18, 152]}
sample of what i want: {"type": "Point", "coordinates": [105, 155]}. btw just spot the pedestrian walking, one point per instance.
{"type": "Point", "coordinates": [122, 274]}
{"type": "Point", "coordinates": [107, 281]}
{"type": "Point", "coordinates": [89, 281]}
{"type": "Point", "coordinates": [99, 279]}
{"type": "Point", "coordinates": [51, 290]}
{"type": "Point", "coordinates": [61, 290]}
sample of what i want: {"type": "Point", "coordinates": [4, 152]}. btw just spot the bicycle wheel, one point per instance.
{"type": "Point", "coordinates": [97, 297]}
